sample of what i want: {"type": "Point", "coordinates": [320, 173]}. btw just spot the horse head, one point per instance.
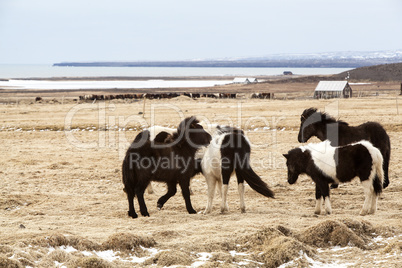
{"type": "Point", "coordinates": [311, 125]}
{"type": "Point", "coordinates": [295, 164]}
{"type": "Point", "coordinates": [191, 131]}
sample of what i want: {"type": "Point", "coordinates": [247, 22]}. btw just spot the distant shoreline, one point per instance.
{"type": "Point", "coordinates": [227, 64]}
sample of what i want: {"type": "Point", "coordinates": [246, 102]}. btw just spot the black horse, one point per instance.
{"type": "Point", "coordinates": [325, 127]}
{"type": "Point", "coordinates": [168, 158]}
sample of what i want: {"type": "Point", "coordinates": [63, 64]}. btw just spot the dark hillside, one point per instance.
{"type": "Point", "coordinates": [383, 72]}
{"type": "Point", "coordinates": [374, 73]}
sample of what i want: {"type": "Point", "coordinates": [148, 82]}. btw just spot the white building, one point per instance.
{"type": "Point", "coordinates": [333, 89]}
{"type": "Point", "coordinates": [244, 80]}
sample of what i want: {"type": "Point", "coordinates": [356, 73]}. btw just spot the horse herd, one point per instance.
{"type": "Point", "coordinates": [170, 155]}
{"type": "Point", "coordinates": [157, 96]}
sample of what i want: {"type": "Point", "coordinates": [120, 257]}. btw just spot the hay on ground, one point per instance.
{"type": "Point", "coordinates": [331, 233]}
{"type": "Point", "coordinates": [124, 241]}
{"type": "Point", "coordinates": [90, 262]}
{"type": "Point", "coordinates": [58, 240]}
{"type": "Point", "coordinates": [169, 258]}
{"type": "Point", "coordinates": [393, 247]}
{"type": "Point", "coordinates": [59, 256]}
{"type": "Point", "coordinates": [9, 263]}
{"type": "Point", "coordinates": [273, 248]}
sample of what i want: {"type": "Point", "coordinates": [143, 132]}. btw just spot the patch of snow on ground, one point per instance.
{"type": "Point", "coordinates": [110, 255]}
{"type": "Point", "coordinates": [314, 263]}
{"type": "Point", "coordinates": [203, 257]}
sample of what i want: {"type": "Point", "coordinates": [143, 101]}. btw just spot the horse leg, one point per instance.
{"type": "Point", "coordinates": [240, 186]}
{"type": "Point", "coordinates": [172, 189]}
{"type": "Point", "coordinates": [227, 170]}
{"type": "Point", "coordinates": [185, 191]}
{"type": "Point", "coordinates": [334, 185]}
{"type": "Point", "coordinates": [328, 208]}
{"type": "Point", "coordinates": [385, 168]}
{"type": "Point", "coordinates": [130, 197]}
{"type": "Point", "coordinates": [150, 189]}
{"type": "Point", "coordinates": [219, 183]}
{"type": "Point", "coordinates": [224, 204]}
{"type": "Point", "coordinates": [140, 197]}
{"type": "Point", "coordinates": [318, 200]}
{"type": "Point", "coordinates": [324, 188]}
{"type": "Point", "coordinates": [368, 192]}
{"type": "Point", "coordinates": [373, 207]}
{"type": "Point", "coordinates": [211, 183]}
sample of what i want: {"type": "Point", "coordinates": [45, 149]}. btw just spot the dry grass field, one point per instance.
{"type": "Point", "coordinates": [62, 202]}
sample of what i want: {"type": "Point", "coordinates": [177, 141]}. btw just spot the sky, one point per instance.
{"type": "Point", "coordinates": [50, 31]}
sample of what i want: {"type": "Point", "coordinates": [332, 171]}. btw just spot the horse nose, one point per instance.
{"type": "Point", "coordinates": [208, 138]}
{"type": "Point", "coordinates": [299, 138]}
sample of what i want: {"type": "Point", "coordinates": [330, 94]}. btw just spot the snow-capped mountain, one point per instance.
{"type": "Point", "coordinates": [386, 54]}
{"type": "Point", "coordinates": [348, 59]}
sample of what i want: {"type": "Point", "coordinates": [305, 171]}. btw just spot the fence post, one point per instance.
{"type": "Point", "coordinates": [143, 108]}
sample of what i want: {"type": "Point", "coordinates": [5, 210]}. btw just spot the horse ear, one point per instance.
{"type": "Point", "coordinates": [286, 156]}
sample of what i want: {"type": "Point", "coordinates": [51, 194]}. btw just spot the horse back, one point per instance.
{"type": "Point", "coordinates": [371, 131]}
{"type": "Point", "coordinates": [378, 135]}
{"type": "Point", "coordinates": [353, 160]}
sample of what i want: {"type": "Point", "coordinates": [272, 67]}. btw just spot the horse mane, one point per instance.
{"type": "Point", "coordinates": [229, 129]}
{"type": "Point", "coordinates": [180, 135]}
{"type": "Point", "coordinates": [163, 137]}
{"type": "Point", "coordinates": [325, 118]}
{"type": "Point", "coordinates": [185, 125]}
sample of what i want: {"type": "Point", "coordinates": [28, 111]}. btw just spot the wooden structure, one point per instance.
{"type": "Point", "coordinates": [332, 89]}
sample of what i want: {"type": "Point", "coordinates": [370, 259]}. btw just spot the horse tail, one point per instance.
{"type": "Point", "coordinates": [128, 175]}
{"type": "Point", "coordinates": [378, 170]}
{"type": "Point", "coordinates": [380, 139]}
{"type": "Point", "coordinates": [243, 169]}
{"type": "Point", "coordinates": [378, 181]}
{"type": "Point", "coordinates": [386, 157]}
{"type": "Point", "coordinates": [255, 182]}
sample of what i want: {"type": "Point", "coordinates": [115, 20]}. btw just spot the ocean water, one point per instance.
{"type": "Point", "coordinates": [10, 75]}
{"type": "Point", "coordinates": [120, 84]}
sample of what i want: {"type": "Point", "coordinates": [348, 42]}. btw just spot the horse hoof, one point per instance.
{"type": "Point", "coordinates": [334, 186]}
{"type": "Point", "coordinates": [363, 213]}
{"type": "Point", "coordinates": [159, 206]}
{"type": "Point", "coordinates": [132, 214]}
{"type": "Point", "coordinates": [192, 212]}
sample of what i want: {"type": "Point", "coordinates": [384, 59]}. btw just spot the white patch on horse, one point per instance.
{"type": "Point", "coordinates": [323, 156]}
{"type": "Point", "coordinates": [368, 194]}
{"type": "Point", "coordinates": [211, 169]}
{"type": "Point", "coordinates": [224, 203]}
{"type": "Point", "coordinates": [241, 194]}
{"type": "Point", "coordinates": [328, 208]}
{"type": "Point", "coordinates": [211, 164]}
{"type": "Point", "coordinates": [211, 161]}
{"type": "Point", "coordinates": [318, 204]}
